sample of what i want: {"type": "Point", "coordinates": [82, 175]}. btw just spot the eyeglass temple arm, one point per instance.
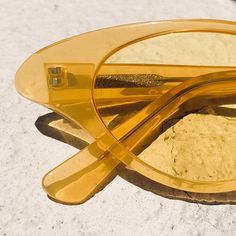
{"type": "Point", "coordinates": [75, 180]}
{"type": "Point", "coordinates": [148, 81]}
{"type": "Point", "coordinates": [143, 82]}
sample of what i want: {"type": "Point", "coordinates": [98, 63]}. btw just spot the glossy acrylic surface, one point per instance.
{"type": "Point", "coordinates": [63, 78]}
{"type": "Point", "coordinates": [151, 68]}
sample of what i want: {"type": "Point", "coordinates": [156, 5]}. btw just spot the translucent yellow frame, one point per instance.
{"type": "Point", "coordinates": [78, 178]}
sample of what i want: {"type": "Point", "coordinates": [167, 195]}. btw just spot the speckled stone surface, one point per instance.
{"type": "Point", "coordinates": [25, 154]}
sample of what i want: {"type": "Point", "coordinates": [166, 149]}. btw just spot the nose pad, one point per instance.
{"type": "Point", "coordinates": [31, 80]}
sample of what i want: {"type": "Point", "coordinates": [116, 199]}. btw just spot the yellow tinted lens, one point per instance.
{"type": "Point", "coordinates": [159, 81]}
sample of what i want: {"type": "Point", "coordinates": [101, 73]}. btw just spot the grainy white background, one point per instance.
{"type": "Point", "coordinates": [25, 155]}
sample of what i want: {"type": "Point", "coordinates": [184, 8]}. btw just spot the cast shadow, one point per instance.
{"type": "Point", "coordinates": [53, 125]}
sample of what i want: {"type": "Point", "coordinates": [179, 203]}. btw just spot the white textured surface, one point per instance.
{"type": "Point", "coordinates": [25, 154]}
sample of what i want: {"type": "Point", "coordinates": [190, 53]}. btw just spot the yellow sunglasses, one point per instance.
{"type": "Point", "coordinates": [121, 85]}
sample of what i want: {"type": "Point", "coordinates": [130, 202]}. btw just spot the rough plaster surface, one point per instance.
{"type": "Point", "coordinates": [25, 154]}
{"type": "Point", "coordinates": [198, 147]}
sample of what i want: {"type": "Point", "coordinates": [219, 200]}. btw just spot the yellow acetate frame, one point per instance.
{"type": "Point", "coordinates": [83, 56]}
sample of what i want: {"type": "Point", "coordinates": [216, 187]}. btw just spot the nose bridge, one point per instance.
{"type": "Point", "coordinates": [31, 80]}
